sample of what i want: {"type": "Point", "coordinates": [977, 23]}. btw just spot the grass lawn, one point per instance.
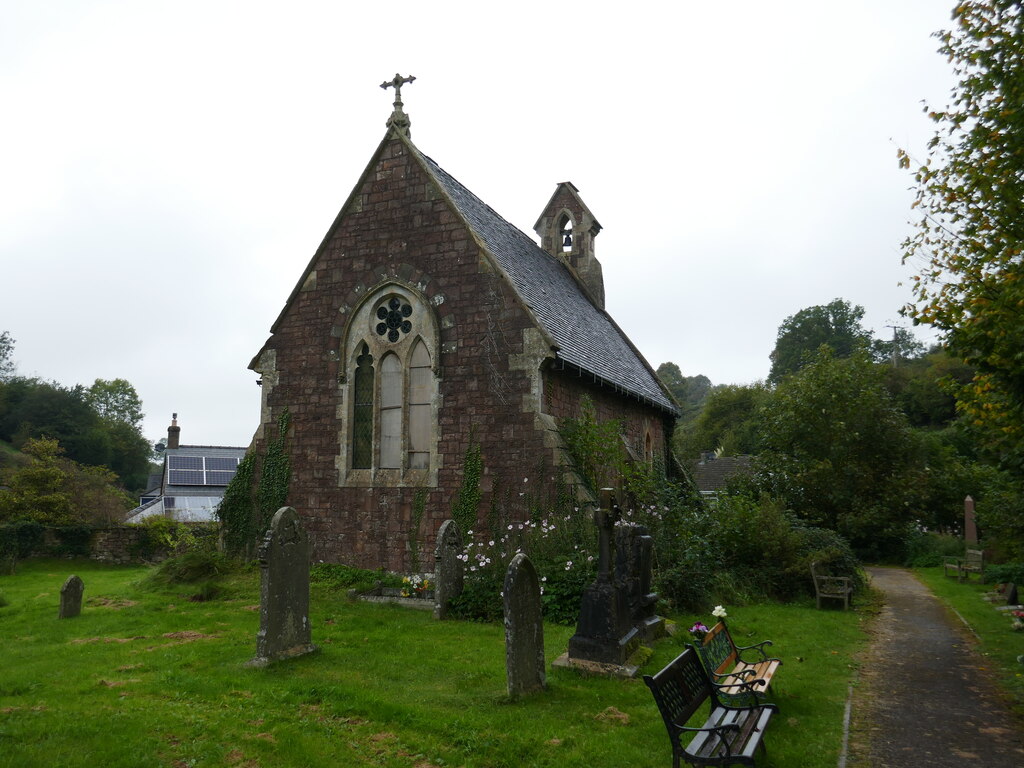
{"type": "Point", "coordinates": [998, 642]}
{"type": "Point", "coordinates": [148, 678]}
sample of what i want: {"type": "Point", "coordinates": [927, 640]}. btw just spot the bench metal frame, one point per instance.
{"type": "Point", "coordinates": [731, 735]}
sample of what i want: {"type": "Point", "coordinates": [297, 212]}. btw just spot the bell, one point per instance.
{"type": "Point", "coordinates": [567, 243]}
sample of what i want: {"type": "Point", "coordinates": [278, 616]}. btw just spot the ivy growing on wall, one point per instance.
{"type": "Point", "coordinates": [596, 448]}
{"type": "Point", "coordinates": [467, 502]}
{"type": "Point", "coordinates": [258, 489]}
{"type": "Point", "coordinates": [419, 504]}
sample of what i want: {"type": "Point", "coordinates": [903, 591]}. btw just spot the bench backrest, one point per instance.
{"type": "Point", "coordinates": [679, 689]}
{"type": "Point", "coordinates": [717, 650]}
{"type": "Point", "coordinates": [974, 558]}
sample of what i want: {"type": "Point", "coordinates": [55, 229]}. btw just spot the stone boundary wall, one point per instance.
{"type": "Point", "coordinates": [116, 544]}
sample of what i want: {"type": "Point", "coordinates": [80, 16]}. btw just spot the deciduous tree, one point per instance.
{"type": "Point", "coordinates": [839, 451]}
{"type": "Point", "coordinates": [969, 233]}
{"type": "Point", "coordinates": [835, 325]}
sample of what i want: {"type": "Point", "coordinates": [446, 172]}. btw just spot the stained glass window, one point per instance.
{"type": "Point", "coordinates": [362, 416]}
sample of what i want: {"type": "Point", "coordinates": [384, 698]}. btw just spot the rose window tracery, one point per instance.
{"type": "Point", "coordinates": [393, 317]}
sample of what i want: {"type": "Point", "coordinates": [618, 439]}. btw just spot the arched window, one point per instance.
{"type": "Point", "coordinates": [392, 343]}
{"type": "Point", "coordinates": [421, 391]}
{"type": "Point", "coordinates": [565, 232]}
{"type": "Point", "coordinates": [362, 416]}
{"type": "Point", "coordinates": [390, 412]}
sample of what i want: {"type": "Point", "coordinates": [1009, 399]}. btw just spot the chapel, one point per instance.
{"type": "Point", "coordinates": [426, 327]}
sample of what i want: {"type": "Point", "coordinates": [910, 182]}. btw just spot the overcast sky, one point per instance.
{"type": "Point", "coordinates": [167, 169]}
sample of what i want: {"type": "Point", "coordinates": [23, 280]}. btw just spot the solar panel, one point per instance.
{"type": "Point", "coordinates": [184, 462]}
{"type": "Point", "coordinates": [222, 463]}
{"type": "Point", "coordinates": [218, 478]}
{"type": "Point", "coordinates": [186, 477]}
{"type": "Point", "coordinates": [201, 470]}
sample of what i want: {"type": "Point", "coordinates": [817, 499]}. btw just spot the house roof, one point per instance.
{"type": "Point", "coordinates": [714, 474]}
{"type": "Point", "coordinates": [584, 336]}
{"type": "Point", "coordinates": [199, 470]}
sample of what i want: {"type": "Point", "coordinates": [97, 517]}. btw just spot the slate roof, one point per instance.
{"type": "Point", "coordinates": [714, 474]}
{"type": "Point", "coordinates": [587, 338]}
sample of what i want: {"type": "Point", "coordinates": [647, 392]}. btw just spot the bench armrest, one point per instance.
{"type": "Point", "coordinates": [745, 686]}
{"type": "Point", "coordinates": [757, 648]}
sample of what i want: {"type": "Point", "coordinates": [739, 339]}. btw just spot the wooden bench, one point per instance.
{"type": "Point", "coordinates": [973, 561]}
{"type": "Point", "coordinates": [831, 587]}
{"type": "Point", "coordinates": [740, 681]}
{"type": "Point", "coordinates": [730, 735]}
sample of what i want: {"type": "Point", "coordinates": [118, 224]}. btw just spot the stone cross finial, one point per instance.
{"type": "Point", "coordinates": [398, 117]}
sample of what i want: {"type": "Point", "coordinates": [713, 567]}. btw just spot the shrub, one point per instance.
{"type": "Point", "coordinates": [21, 538]}
{"type": "Point", "coordinates": [925, 549]}
{"type": "Point", "coordinates": [73, 540]}
{"type": "Point", "coordinates": [1004, 573]}
{"type": "Point", "coordinates": [191, 567]}
{"type": "Point", "coordinates": [338, 576]}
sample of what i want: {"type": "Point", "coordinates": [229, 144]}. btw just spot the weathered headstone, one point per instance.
{"type": "Point", "coordinates": [524, 628]}
{"type": "Point", "coordinates": [634, 549]}
{"type": "Point", "coordinates": [604, 632]}
{"type": "Point", "coordinates": [970, 523]}
{"type": "Point", "coordinates": [1011, 594]}
{"type": "Point", "coordinates": [448, 567]}
{"type": "Point", "coordinates": [617, 610]}
{"type": "Point", "coordinates": [284, 591]}
{"type": "Point", "coordinates": [71, 598]}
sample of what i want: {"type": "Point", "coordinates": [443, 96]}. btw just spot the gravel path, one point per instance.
{"type": "Point", "coordinates": [923, 699]}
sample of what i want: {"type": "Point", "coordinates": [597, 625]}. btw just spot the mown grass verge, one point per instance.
{"type": "Point", "coordinates": [147, 677]}
{"type": "Point", "coordinates": [997, 641]}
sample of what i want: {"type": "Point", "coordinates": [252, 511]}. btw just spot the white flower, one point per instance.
{"type": "Point", "coordinates": [719, 612]}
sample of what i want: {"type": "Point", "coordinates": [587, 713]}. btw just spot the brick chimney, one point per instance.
{"type": "Point", "coordinates": [173, 432]}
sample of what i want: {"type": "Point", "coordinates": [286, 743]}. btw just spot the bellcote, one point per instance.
{"type": "Point", "coordinates": [567, 230]}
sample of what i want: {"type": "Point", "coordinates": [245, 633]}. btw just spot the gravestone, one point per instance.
{"type": "Point", "coordinates": [284, 591]}
{"type": "Point", "coordinates": [71, 598]}
{"type": "Point", "coordinates": [448, 567]}
{"type": "Point", "coordinates": [634, 548]}
{"type": "Point", "coordinates": [524, 628]}
{"type": "Point", "coordinates": [1011, 594]}
{"type": "Point", "coordinates": [604, 631]}
{"type": "Point", "coordinates": [617, 610]}
{"type": "Point", "coordinates": [970, 523]}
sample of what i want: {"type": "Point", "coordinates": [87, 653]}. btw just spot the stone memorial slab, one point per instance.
{"type": "Point", "coordinates": [71, 598]}
{"type": "Point", "coordinates": [617, 612]}
{"type": "Point", "coordinates": [448, 567]}
{"type": "Point", "coordinates": [284, 591]}
{"type": "Point", "coordinates": [970, 523]}
{"type": "Point", "coordinates": [524, 628]}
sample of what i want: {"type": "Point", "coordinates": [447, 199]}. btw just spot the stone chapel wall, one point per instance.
{"type": "Point", "coordinates": [398, 227]}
